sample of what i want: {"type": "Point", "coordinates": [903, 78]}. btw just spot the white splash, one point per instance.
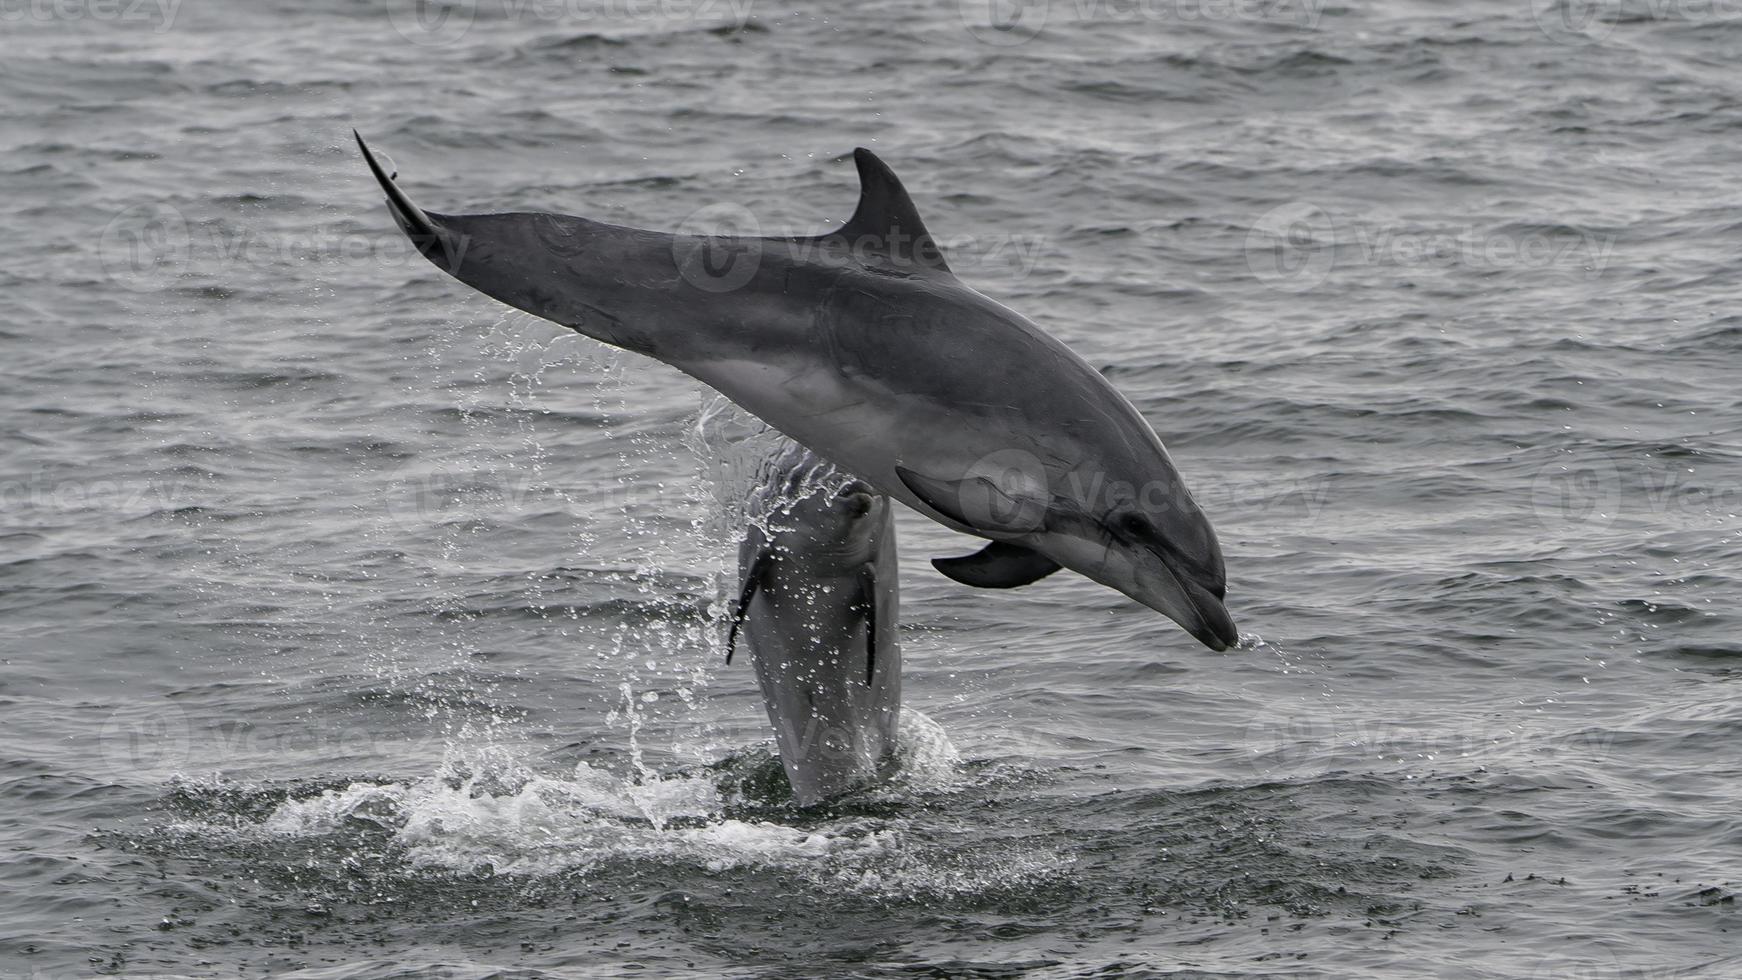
{"type": "Point", "coordinates": [485, 811]}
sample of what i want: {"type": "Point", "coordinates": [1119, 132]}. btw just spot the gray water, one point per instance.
{"type": "Point", "coordinates": [352, 625]}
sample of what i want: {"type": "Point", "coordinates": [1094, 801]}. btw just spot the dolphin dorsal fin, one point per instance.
{"type": "Point", "coordinates": [886, 223]}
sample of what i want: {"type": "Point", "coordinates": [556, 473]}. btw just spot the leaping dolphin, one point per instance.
{"type": "Point", "coordinates": [863, 346]}
{"type": "Point", "coordinates": [817, 612]}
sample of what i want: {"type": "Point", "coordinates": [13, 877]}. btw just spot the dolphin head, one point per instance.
{"type": "Point", "coordinates": [807, 510]}
{"type": "Point", "coordinates": [1149, 541]}
{"type": "Point", "coordinates": [1125, 520]}
{"type": "Point", "coordinates": [835, 523]}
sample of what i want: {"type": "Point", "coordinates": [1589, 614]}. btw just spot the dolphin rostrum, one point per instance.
{"type": "Point", "coordinates": [817, 611]}
{"type": "Point", "coordinates": [863, 346]}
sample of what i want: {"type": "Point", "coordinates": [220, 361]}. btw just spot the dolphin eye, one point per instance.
{"type": "Point", "coordinates": [1133, 525]}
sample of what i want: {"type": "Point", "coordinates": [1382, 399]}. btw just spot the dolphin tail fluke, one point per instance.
{"type": "Point", "coordinates": [431, 241]}
{"type": "Point", "coordinates": [585, 275]}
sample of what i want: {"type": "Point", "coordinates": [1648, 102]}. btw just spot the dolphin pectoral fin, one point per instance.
{"type": "Point", "coordinates": [886, 224]}
{"type": "Point", "coordinates": [752, 582]}
{"type": "Point", "coordinates": [868, 605]}
{"type": "Point", "coordinates": [999, 565]}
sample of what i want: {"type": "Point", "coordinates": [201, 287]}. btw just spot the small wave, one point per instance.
{"type": "Point", "coordinates": [582, 41]}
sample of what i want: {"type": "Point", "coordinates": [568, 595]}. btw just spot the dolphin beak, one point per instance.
{"type": "Point", "coordinates": [1176, 594]}
{"type": "Point", "coordinates": [1215, 628]}
{"type": "Point", "coordinates": [1187, 592]}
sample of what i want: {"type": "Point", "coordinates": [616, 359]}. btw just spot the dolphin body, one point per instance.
{"type": "Point", "coordinates": [817, 609]}
{"type": "Point", "coordinates": [863, 346]}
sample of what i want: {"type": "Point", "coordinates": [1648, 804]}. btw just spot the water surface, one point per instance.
{"type": "Point", "coordinates": [352, 625]}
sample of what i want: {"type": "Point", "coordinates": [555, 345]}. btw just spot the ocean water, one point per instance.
{"type": "Point", "coordinates": [352, 625]}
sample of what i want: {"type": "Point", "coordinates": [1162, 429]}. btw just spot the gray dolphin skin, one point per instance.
{"type": "Point", "coordinates": [817, 611]}
{"type": "Point", "coordinates": [863, 346]}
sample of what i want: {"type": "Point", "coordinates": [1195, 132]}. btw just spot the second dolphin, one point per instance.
{"type": "Point", "coordinates": [817, 609]}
